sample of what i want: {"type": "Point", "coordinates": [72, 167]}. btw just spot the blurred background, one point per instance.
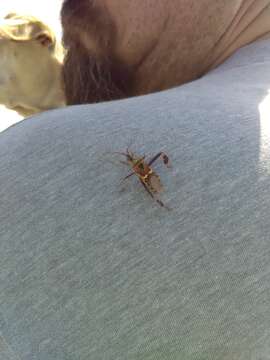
{"type": "Point", "coordinates": [49, 12]}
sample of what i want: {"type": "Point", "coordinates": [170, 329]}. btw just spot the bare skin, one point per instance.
{"type": "Point", "coordinates": [158, 43]}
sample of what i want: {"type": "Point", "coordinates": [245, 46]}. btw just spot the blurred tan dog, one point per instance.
{"type": "Point", "coordinates": [30, 65]}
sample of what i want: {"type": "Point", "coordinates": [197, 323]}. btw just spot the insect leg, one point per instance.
{"type": "Point", "coordinates": [129, 175]}
{"type": "Point", "coordinates": [164, 158]}
{"type": "Point", "coordinates": [124, 162]}
{"type": "Point", "coordinates": [126, 177]}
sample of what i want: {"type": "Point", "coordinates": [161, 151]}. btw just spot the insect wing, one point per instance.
{"type": "Point", "coordinates": [154, 183]}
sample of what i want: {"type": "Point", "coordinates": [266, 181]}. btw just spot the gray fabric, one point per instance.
{"type": "Point", "coordinates": [94, 269]}
{"type": "Point", "coordinates": [6, 352]}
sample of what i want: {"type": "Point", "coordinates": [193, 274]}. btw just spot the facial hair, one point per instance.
{"type": "Point", "coordinates": [91, 79]}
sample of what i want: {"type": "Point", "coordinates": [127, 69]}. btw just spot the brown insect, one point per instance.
{"type": "Point", "coordinates": [147, 176]}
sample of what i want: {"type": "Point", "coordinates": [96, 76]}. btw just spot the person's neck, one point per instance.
{"type": "Point", "coordinates": [251, 23]}
{"type": "Point", "coordinates": [175, 60]}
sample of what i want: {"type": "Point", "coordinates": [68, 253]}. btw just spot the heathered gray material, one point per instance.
{"type": "Point", "coordinates": [94, 269]}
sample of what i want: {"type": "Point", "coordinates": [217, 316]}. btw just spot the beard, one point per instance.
{"type": "Point", "coordinates": [89, 78]}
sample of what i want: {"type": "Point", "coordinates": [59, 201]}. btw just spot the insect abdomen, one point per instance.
{"type": "Point", "coordinates": [152, 181]}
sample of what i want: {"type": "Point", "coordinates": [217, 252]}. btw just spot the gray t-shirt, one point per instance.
{"type": "Point", "coordinates": [92, 268]}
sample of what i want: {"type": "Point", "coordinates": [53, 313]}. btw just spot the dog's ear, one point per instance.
{"type": "Point", "coordinates": [11, 15]}
{"type": "Point", "coordinates": [24, 28]}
